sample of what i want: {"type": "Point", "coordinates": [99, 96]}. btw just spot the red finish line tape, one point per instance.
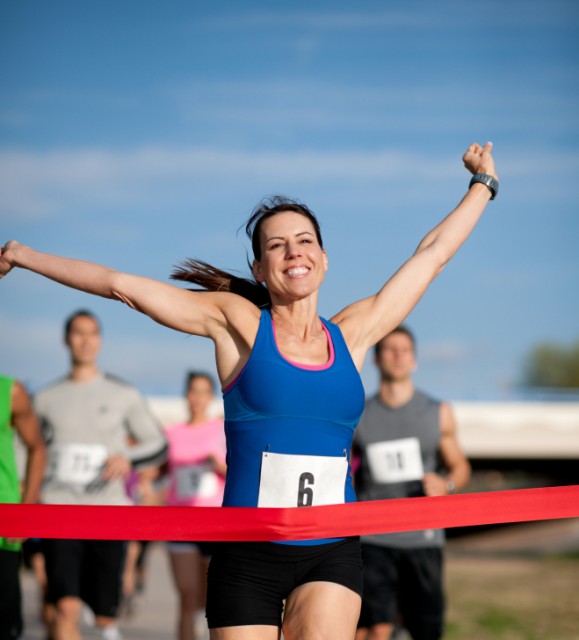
{"type": "Point", "coordinates": [252, 524]}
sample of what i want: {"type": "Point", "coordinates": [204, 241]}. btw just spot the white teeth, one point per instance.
{"type": "Point", "coordinates": [297, 271]}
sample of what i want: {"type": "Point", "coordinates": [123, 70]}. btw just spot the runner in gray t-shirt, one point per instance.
{"type": "Point", "coordinates": [87, 420]}
{"type": "Point", "coordinates": [407, 447]}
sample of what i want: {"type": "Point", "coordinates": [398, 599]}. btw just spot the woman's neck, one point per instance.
{"type": "Point", "coordinates": [299, 319]}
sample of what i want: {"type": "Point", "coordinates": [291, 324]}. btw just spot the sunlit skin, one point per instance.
{"type": "Point", "coordinates": [292, 266]}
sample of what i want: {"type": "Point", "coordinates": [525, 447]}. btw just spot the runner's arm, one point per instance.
{"type": "Point", "coordinates": [150, 446]}
{"type": "Point", "coordinates": [26, 424]}
{"type": "Point", "coordinates": [367, 321]}
{"type": "Point", "coordinates": [458, 467]}
{"type": "Point", "coordinates": [197, 313]}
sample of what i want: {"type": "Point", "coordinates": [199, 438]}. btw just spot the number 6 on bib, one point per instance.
{"type": "Point", "coordinates": [289, 480]}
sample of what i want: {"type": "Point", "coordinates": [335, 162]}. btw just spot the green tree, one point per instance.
{"type": "Point", "coordinates": [551, 365]}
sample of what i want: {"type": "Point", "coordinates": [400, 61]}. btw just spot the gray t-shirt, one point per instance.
{"type": "Point", "coordinates": [84, 423]}
{"type": "Point", "coordinates": [397, 445]}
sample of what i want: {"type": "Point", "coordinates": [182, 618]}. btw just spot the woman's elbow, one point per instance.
{"type": "Point", "coordinates": [120, 287]}
{"type": "Point", "coordinates": [437, 256]}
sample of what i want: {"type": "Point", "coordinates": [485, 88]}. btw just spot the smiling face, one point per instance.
{"type": "Point", "coordinates": [292, 264]}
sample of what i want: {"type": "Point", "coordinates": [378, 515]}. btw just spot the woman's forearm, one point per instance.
{"type": "Point", "coordinates": [447, 237]}
{"type": "Point", "coordinates": [78, 274]}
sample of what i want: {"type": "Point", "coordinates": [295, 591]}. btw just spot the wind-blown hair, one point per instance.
{"type": "Point", "coordinates": [210, 278]}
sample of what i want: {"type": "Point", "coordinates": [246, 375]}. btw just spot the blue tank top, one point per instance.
{"type": "Point", "coordinates": [281, 407]}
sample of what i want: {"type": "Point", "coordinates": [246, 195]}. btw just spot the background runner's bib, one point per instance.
{"type": "Point", "coordinates": [196, 481]}
{"type": "Point", "coordinates": [77, 463]}
{"type": "Point", "coordinates": [289, 480]}
{"type": "Point", "coordinates": [395, 460]}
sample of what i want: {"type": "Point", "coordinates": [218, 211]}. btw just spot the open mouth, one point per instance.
{"type": "Point", "coordinates": [297, 272]}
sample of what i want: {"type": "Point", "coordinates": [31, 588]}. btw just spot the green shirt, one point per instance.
{"type": "Point", "coordinates": [9, 483]}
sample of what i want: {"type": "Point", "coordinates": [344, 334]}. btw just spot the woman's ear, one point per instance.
{"type": "Point", "coordinates": [325, 260]}
{"type": "Point", "coordinates": [256, 270]}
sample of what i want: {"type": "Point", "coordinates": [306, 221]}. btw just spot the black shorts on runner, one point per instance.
{"type": "Point", "coordinates": [248, 581]}
{"type": "Point", "coordinates": [87, 569]}
{"type": "Point", "coordinates": [183, 546]}
{"type": "Point", "coordinates": [30, 548]}
{"type": "Point", "coordinates": [407, 582]}
{"type": "Point", "coordinates": [10, 595]}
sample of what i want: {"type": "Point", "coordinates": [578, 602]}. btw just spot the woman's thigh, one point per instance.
{"type": "Point", "coordinates": [317, 610]}
{"type": "Point", "coordinates": [246, 632]}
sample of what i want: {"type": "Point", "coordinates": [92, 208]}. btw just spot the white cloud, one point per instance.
{"type": "Point", "coordinates": [445, 14]}
{"type": "Point", "coordinates": [37, 184]}
{"type": "Point", "coordinates": [378, 106]}
{"type": "Point", "coordinates": [326, 21]}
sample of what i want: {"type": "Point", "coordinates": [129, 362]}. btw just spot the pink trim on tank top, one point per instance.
{"type": "Point", "coordinates": [309, 367]}
{"type": "Point", "coordinates": [226, 388]}
{"type": "Point", "coordinates": [299, 365]}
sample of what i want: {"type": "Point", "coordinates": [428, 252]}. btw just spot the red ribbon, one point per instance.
{"type": "Point", "coordinates": [252, 524]}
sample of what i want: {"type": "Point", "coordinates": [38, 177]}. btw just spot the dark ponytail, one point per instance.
{"type": "Point", "coordinates": [210, 278]}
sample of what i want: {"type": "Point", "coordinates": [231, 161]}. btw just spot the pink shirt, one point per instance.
{"type": "Point", "coordinates": [192, 481]}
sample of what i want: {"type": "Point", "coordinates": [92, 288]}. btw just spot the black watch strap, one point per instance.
{"type": "Point", "coordinates": [490, 181]}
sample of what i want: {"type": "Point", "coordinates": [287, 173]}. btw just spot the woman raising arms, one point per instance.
{"type": "Point", "coordinates": [292, 395]}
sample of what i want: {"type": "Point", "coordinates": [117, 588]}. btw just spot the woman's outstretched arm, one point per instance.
{"type": "Point", "coordinates": [203, 314]}
{"type": "Point", "coordinates": [365, 322]}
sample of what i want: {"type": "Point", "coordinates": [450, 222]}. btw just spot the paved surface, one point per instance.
{"type": "Point", "coordinates": [155, 609]}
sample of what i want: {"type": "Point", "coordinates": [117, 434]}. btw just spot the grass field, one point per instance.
{"type": "Point", "coordinates": [512, 598]}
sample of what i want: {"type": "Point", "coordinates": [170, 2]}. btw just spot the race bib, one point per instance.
{"type": "Point", "coordinates": [78, 463]}
{"type": "Point", "coordinates": [301, 481]}
{"type": "Point", "coordinates": [195, 481]}
{"type": "Point", "coordinates": [395, 461]}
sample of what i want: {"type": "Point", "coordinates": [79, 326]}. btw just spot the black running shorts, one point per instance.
{"type": "Point", "coordinates": [407, 582]}
{"type": "Point", "coordinates": [87, 569]}
{"type": "Point", "coordinates": [10, 595]}
{"type": "Point", "coordinates": [248, 581]}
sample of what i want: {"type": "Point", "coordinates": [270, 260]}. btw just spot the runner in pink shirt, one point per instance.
{"type": "Point", "coordinates": [197, 468]}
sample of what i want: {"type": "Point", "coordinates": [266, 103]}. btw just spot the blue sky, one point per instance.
{"type": "Point", "coordinates": [138, 133]}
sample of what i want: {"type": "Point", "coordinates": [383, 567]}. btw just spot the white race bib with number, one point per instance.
{"type": "Point", "coordinates": [301, 481]}
{"type": "Point", "coordinates": [195, 481]}
{"type": "Point", "coordinates": [395, 461]}
{"type": "Point", "coordinates": [78, 463]}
